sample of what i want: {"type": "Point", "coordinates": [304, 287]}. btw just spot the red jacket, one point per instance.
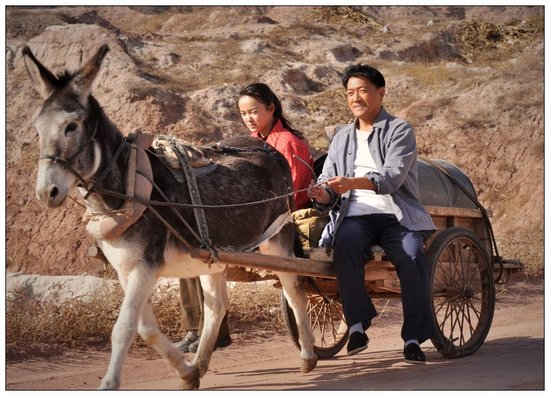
{"type": "Point", "coordinates": [291, 146]}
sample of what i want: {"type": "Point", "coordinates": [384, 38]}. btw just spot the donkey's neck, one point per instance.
{"type": "Point", "coordinates": [111, 172]}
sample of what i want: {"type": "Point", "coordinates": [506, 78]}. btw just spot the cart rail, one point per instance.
{"type": "Point", "coordinates": [380, 275]}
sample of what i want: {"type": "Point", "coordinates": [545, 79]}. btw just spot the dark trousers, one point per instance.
{"type": "Point", "coordinates": [192, 300]}
{"type": "Point", "coordinates": [352, 249]}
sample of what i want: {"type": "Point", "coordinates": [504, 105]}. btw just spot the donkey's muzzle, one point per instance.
{"type": "Point", "coordinates": [50, 196]}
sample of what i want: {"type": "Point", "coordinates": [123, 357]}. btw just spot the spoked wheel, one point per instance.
{"type": "Point", "coordinates": [327, 322]}
{"type": "Point", "coordinates": [462, 292]}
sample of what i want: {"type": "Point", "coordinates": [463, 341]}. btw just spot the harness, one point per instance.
{"type": "Point", "coordinates": [109, 225]}
{"type": "Point", "coordinates": [139, 186]}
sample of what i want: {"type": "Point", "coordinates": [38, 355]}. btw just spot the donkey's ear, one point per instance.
{"type": "Point", "coordinates": [43, 80]}
{"type": "Point", "coordinates": [85, 77]}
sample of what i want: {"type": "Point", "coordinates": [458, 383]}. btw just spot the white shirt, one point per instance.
{"type": "Point", "coordinates": [364, 202]}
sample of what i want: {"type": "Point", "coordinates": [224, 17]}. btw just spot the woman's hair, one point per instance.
{"type": "Point", "coordinates": [263, 94]}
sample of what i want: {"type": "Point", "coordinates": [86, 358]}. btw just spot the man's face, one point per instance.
{"type": "Point", "coordinates": [364, 99]}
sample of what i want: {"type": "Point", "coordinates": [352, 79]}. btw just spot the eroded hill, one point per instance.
{"type": "Point", "coordinates": [470, 80]}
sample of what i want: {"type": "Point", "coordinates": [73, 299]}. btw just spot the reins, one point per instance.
{"type": "Point", "coordinates": [143, 201]}
{"type": "Point", "coordinates": [94, 185]}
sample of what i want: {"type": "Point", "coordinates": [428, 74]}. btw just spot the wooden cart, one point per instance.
{"type": "Point", "coordinates": [462, 255]}
{"type": "Point", "coordinates": [464, 268]}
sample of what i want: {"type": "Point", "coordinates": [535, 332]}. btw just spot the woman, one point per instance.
{"type": "Point", "coordinates": [262, 113]}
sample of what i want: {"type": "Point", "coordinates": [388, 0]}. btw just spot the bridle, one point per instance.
{"type": "Point", "coordinates": [67, 163]}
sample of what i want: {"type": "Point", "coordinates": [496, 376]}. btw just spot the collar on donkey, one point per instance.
{"type": "Point", "coordinates": [104, 224]}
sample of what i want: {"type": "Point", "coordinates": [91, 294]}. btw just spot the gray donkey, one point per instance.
{"type": "Point", "coordinates": [81, 148]}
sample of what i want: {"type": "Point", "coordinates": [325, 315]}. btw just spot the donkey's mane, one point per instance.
{"type": "Point", "coordinates": [64, 78]}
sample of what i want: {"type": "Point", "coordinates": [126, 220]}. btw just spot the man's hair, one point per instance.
{"type": "Point", "coordinates": [364, 71]}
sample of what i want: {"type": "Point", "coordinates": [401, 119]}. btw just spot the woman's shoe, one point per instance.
{"type": "Point", "coordinates": [190, 338]}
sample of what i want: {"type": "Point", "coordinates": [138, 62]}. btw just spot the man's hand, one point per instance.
{"type": "Point", "coordinates": [318, 193]}
{"type": "Point", "coordinates": [340, 184]}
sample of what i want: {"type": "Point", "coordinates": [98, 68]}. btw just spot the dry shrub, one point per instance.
{"type": "Point", "coordinates": [252, 306]}
{"type": "Point", "coordinates": [255, 303]}
{"type": "Point", "coordinates": [36, 328]}
{"type": "Point", "coordinates": [167, 308]}
{"type": "Point", "coordinates": [477, 37]}
{"type": "Point", "coordinates": [344, 15]}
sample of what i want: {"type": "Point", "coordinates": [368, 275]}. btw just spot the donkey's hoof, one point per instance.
{"type": "Point", "coordinates": [108, 385]}
{"type": "Point", "coordinates": [192, 381]}
{"type": "Point", "coordinates": [308, 364]}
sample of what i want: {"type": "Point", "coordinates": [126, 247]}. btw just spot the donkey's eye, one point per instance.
{"type": "Point", "coordinates": [70, 128]}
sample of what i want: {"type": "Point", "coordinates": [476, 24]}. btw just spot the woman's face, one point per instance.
{"type": "Point", "coordinates": [257, 117]}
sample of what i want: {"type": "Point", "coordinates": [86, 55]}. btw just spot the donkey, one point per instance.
{"type": "Point", "coordinates": [80, 148]}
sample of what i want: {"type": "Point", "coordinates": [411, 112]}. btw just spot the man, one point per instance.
{"type": "Point", "coordinates": [371, 169]}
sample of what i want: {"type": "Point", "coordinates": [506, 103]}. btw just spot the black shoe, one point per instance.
{"type": "Point", "coordinates": [413, 354]}
{"type": "Point", "coordinates": [190, 337]}
{"type": "Point", "coordinates": [358, 342]}
{"type": "Point", "coordinates": [221, 342]}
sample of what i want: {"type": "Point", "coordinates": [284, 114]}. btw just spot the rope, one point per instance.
{"type": "Point", "coordinates": [76, 202]}
{"type": "Point", "coordinates": [174, 210]}
{"type": "Point", "coordinates": [205, 206]}
{"type": "Point", "coordinates": [196, 204]}
{"type": "Point", "coordinates": [68, 163]}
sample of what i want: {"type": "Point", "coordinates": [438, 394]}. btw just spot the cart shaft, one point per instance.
{"type": "Point", "coordinates": [295, 265]}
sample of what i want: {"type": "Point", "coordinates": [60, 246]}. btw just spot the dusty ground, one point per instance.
{"type": "Point", "coordinates": [511, 358]}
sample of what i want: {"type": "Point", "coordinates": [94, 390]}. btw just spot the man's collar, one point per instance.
{"type": "Point", "coordinates": [381, 118]}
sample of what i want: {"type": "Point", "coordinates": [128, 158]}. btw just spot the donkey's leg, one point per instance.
{"type": "Point", "coordinates": [149, 330]}
{"type": "Point", "coordinates": [216, 301]}
{"type": "Point", "coordinates": [138, 286]}
{"type": "Point", "coordinates": [297, 299]}
{"type": "Point", "coordinates": [281, 245]}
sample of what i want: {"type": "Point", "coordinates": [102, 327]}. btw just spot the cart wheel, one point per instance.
{"type": "Point", "coordinates": [462, 292]}
{"type": "Point", "coordinates": [327, 322]}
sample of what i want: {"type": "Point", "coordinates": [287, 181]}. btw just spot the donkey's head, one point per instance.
{"type": "Point", "coordinates": [66, 123]}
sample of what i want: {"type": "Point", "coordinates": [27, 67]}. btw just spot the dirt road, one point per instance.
{"type": "Point", "coordinates": [511, 358]}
